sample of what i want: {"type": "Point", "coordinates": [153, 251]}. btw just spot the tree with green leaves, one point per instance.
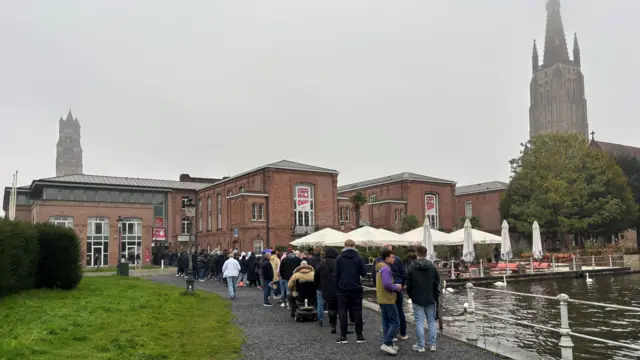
{"type": "Point", "coordinates": [357, 200]}
{"type": "Point", "coordinates": [474, 220]}
{"type": "Point", "coordinates": [409, 223]}
{"type": "Point", "coordinates": [568, 188]}
{"type": "Point", "coordinates": [630, 166]}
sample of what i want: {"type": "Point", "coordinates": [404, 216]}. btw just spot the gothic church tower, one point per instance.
{"type": "Point", "coordinates": [69, 150]}
{"type": "Point", "coordinates": [558, 103]}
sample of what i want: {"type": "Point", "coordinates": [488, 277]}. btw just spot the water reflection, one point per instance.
{"type": "Point", "coordinates": [608, 323]}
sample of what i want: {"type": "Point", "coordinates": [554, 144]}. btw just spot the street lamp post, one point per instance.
{"type": "Point", "coordinates": [119, 222]}
{"type": "Point", "coordinates": [190, 209]}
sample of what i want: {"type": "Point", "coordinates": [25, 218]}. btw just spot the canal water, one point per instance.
{"type": "Point", "coordinates": [608, 323]}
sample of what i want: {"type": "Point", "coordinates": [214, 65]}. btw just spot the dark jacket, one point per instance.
{"type": "Point", "coordinates": [423, 282]}
{"type": "Point", "coordinates": [243, 265]}
{"type": "Point", "coordinates": [315, 260]}
{"type": "Point", "coordinates": [252, 275]}
{"type": "Point", "coordinates": [288, 265]}
{"type": "Point", "coordinates": [220, 261]}
{"type": "Point", "coordinates": [324, 277]}
{"type": "Point", "coordinates": [266, 270]}
{"type": "Point", "coordinates": [399, 273]}
{"type": "Point", "coordinates": [349, 268]}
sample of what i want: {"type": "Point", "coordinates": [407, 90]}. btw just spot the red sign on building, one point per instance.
{"type": "Point", "coordinates": [303, 195]}
{"type": "Point", "coordinates": [158, 222]}
{"type": "Point", "coordinates": [159, 235]}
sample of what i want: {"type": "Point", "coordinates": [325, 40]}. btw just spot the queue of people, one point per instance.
{"type": "Point", "coordinates": [336, 280]}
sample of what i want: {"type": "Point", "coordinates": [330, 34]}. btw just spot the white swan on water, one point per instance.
{"type": "Point", "coordinates": [502, 283]}
{"type": "Point", "coordinates": [589, 280]}
{"type": "Point", "coordinates": [447, 289]}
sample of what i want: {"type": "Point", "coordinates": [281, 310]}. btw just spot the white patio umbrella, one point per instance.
{"type": "Point", "coordinates": [364, 236]}
{"type": "Point", "coordinates": [318, 238]}
{"type": "Point", "coordinates": [468, 253]}
{"type": "Point", "coordinates": [537, 242]}
{"type": "Point", "coordinates": [427, 240]}
{"type": "Point", "coordinates": [416, 236]}
{"type": "Point", "coordinates": [478, 236]}
{"type": "Point", "coordinates": [505, 244]}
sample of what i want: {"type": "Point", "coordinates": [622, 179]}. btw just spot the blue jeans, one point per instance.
{"type": "Point", "coordinates": [284, 289]}
{"type": "Point", "coordinates": [266, 291]}
{"type": "Point", "coordinates": [403, 320]}
{"type": "Point", "coordinates": [201, 274]}
{"type": "Point", "coordinates": [390, 322]}
{"type": "Point", "coordinates": [320, 305]}
{"type": "Point", "coordinates": [242, 276]}
{"type": "Point", "coordinates": [419, 313]}
{"type": "Point", "coordinates": [231, 284]}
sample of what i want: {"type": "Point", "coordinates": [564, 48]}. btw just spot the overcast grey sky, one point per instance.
{"type": "Point", "coordinates": [370, 88]}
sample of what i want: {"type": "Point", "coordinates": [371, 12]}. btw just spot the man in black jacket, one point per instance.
{"type": "Point", "coordinates": [267, 277]}
{"type": "Point", "coordinates": [287, 266]}
{"type": "Point", "coordinates": [326, 283]}
{"type": "Point", "coordinates": [423, 283]}
{"type": "Point", "coordinates": [348, 271]}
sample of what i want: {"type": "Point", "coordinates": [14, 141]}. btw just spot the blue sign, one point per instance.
{"type": "Point", "coordinates": [235, 232]}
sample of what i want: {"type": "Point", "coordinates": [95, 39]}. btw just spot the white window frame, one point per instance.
{"type": "Point", "coordinates": [185, 201]}
{"type": "Point", "coordinates": [92, 242]}
{"type": "Point", "coordinates": [200, 211]}
{"type": "Point", "coordinates": [131, 232]}
{"type": "Point", "coordinates": [434, 219]}
{"type": "Point", "coordinates": [258, 246]}
{"type": "Point", "coordinates": [257, 211]}
{"type": "Point", "coordinates": [209, 214]}
{"type": "Point", "coordinates": [372, 198]}
{"type": "Point", "coordinates": [397, 216]}
{"type": "Point", "coordinates": [341, 214]}
{"type": "Point", "coordinates": [219, 211]}
{"type": "Point", "coordinates": [230, 193]}
{"type": "Point", "coordinates": [186, 226]}
{"type": "Point", "coordinates": [468, 209]}
{"type": "Point", "coordinates": [304, 218]}
{"type": "Point", "coordinates": [64, 221]}
{"type": "Point", "coordinates": [241, 189]}
{"type": "Point", "coordinates": [347, 214]}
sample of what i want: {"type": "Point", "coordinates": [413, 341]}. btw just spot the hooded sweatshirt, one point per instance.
{"type": "Point", "coordinates": [289, 265]}
{"type": "Point", "coordinates": [386, 289]}
{"type": "Point", "coordinates": [303, 273]}
{"type": "Point", "coordinates": [324, 278]}
{"type": "Point", "coordinates": [348, 271]}
{"type": "Point", "coordinates": [423, 282]}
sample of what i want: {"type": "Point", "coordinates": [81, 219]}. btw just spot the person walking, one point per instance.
{"type": "Point", "coordinates": [287, 268]}
{"type": "Point", "coordinates": [266, 275]}
{"type": "Point", "coordinates": [243, 269]}
{"type": "Point", "coordinates": [386, 292]}
{"type": "Point", "coordinates": [230, 271]}
{"type": "Point", "coordinates": [275, 264]}
{"type": "Point", "coordinates": [252, 275]}
{"type": "Point", "coordinates": [423, 283]}
{"type": "Point", "coordinates": [399, 277]}
{"type": "Point", "coordinates": [349, 269]}
{"type": "Point", "coordinates": [326, 283]}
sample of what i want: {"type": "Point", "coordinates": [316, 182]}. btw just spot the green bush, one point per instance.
{"type": "Point", "coordinates": [18, 256]}
{"type": "Point", "coordinates": [60, 262]}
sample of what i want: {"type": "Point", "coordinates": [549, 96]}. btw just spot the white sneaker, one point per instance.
{"type": "Point", "coordinates": [282, 305]}
{"type": "Point", "coordinates": [417, 348]}
{"type": "Point", "coordinates": [432, 348]}
{"type": "Point", "coordinates": [388, 349]}
{"type": "Point", "coordinates": [396, 347]}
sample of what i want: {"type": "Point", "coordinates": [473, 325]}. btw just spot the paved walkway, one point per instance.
{"type": "Point", "coordinates": [272, 334]}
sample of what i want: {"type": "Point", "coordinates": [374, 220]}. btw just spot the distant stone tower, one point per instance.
{"type": "Point", "coordinates": [558, 103]}
{"type": "Point", "coordinates": [69, 150]}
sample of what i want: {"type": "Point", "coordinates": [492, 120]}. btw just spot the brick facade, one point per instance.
{"type": "Point", "coordinates": [485, 206]}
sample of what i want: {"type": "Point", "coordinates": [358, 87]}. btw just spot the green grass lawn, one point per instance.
{"type": "Point", "coordinates": [117, 318]}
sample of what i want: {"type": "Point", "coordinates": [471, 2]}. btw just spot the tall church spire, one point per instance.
{"type": "Point", "coordinates": [535, 66]}
{"type": "Point", "coordinates": [555, 42]}
{"type": "Point", "coordinates": [576, 50]}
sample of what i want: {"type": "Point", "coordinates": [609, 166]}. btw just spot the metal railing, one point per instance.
{"type": "Point", "coordinates": [566, 344]}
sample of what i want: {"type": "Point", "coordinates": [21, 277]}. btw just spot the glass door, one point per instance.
{"type": "Point", "coordinates": [96, 259]}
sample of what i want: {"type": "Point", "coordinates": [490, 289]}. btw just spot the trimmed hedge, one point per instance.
{"type": "Point", "coordinates": [35, 256]}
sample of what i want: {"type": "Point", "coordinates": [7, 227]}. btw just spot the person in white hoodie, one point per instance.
{"type": "Point", "coordinates": [230, 271]}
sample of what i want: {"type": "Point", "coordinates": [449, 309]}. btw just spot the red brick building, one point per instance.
{"type": "Point", "coordinates": [482, 201]}
{"type": "Point", "coordinates": [390, 198]}
{"type": "Point", "coordinates": [267, 206]}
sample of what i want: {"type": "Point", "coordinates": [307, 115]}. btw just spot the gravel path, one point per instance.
{"type": "Point", "coordinates": [272, 334]}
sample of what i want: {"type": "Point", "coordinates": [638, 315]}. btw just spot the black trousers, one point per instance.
{"type": "Point", "coordinates": [350, 301]}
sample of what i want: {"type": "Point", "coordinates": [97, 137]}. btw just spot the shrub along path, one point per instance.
{"type": "Point", "coordinates": [272, 334]}
{"type": "Point", "coordinates": [117, 318]}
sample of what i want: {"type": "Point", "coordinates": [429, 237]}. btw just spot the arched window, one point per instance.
{"type": "Point", "coordinates": [209, 214]}
{"type": "Point", "coordinates": [97, 241]}
{"type": "Point", "coordinates": [431, 210]}
{"type": "Point", "coordinates": [258, 246]}
{"type": "Point", "coordinates": [304, 205]}
{"type": "Point", "coordinates": [199, 214]}
{"type": "Point", "coordinates": [131, 243]}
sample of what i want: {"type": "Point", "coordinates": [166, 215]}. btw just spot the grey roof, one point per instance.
{"type": "Point", "coordinates": [482, 187]}
{"type": "Point", "coordinates": [393, 178]}
{"type": "Point", "coordinates": [292, 165]}
{"type": "Point", "coordinates": [125, 181]}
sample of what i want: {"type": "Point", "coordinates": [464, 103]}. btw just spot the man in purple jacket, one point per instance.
{"type": "Point", "coordinates": [386, 292]}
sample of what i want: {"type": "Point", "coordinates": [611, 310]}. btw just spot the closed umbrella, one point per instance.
{"type": "Point", "coordinates": [427, 240]}
{"type": "Point", "coordinates": [505, 244]}
{"type": "Point", "coordinates": [537, 242]}
{"type": "Point", "coordinates": [468, 253]}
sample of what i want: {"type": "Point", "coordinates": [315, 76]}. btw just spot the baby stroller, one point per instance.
{"type": "Point", "coordinates": [304, 305]}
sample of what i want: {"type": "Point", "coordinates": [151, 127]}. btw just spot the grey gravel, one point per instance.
{"type": "Point", "coordinates": [272, 334]}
